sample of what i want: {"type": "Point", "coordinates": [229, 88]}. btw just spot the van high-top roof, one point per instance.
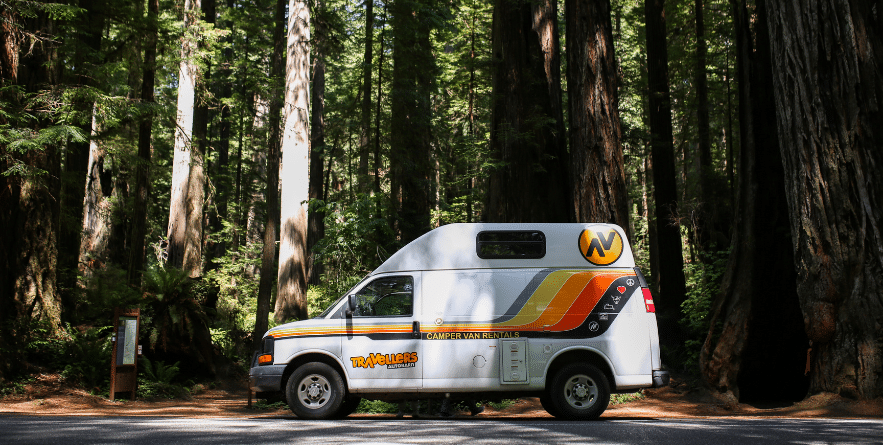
{"type": "Point", "coordinates": [527, 245]}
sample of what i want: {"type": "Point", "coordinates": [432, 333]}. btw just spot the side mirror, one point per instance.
{"type": "Point", "coordinates": [350, 305]}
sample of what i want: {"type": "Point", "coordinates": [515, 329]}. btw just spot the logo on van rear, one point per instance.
{"type": "Point", "coordinates": [600, 245]}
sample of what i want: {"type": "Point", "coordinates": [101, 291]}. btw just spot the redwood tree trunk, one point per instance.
{"type": "Point", "coordinates": [365, 129]}
{"type": "Point", "coordinates": [758, 353]}
{"type": "Point", "coordinates": [142, 170]}
{"type": "Point", "coordinates": [291, 300]}
{"type": "Point", "coordinates": [670, 280]}
{"type": "Point", "coordinates": [187, 79]}
{"type": "Point", "coordinates": [29, 204]}
{"type": "Point", "coordinates": [316, 219]}
{"type": "Point", "coordinates": [410, 119]}
{"type": "Point", "coordinates": [530, 183]}
{"type": "Point", "coordinates": [598, 178]}
{"type": "Point", "coordinates": [829, 93]}
{"type": "Point", "coordinates": [271, 231]}
{"type": "Point", "coordinates": [707, 201]}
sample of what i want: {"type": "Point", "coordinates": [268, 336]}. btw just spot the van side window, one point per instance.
{"type": "Point", "coordinates": [386, 297]}
{"type": "Point", "coordinates": [511, 244]}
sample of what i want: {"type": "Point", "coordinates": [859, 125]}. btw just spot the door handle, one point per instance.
{"type": "Point", "coordinates": [415, 329]}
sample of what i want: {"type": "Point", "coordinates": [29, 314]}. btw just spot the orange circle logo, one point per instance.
{"type": "Point", "coordinates": [600, 245]}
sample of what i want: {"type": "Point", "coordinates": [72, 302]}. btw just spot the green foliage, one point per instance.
{"type": "Point", "coordinates": [703, 285]}
{"type": "Point", "coordinates": [82, 357]}
{"type": "Point", "coordinates": [8, 388]}
{"type": "Point", "coordinates": [262, 404]}
{"type": "Point", "coordinates": [353, 244]}
{"type": "Point", "coordinates": [159, 372]}
{"type": "Point", "coordinates": [88, 357]}
{"type": "Point", "coordinates": [319, 298]}
{"type": "Point", "coordinates": [616, 399]}
{"type": "Point", "coordinates": [502, 404]}
{"type": "Point", "coordinates": [105, 290]}
{"type": "Point", "coordinates": [158, 379]}
{"type": "Point", "coordinates": [640, 243]}
{"type": "Point", "coordinates": [175, 315]}
{"type": "Point", "coordinates": [377, 407]}
{"type": "Point", "coordinates": [237, 286]}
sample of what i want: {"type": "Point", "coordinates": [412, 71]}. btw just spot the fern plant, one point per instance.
{"type": "Point", "coordinates": [177, 319]}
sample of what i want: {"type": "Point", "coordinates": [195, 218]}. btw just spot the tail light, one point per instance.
{"type": "Point", "coordinates": [645, 290]}
{"type": "Point", "coordinates": [648, 300]}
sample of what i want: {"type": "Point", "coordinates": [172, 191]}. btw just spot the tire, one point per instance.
{"type": "Point", "coordinates": [315, 391]}
{"type": "Point", "coordinates": [579, 392]}
{"type": "Point", "coordinates": [547, 405]}
{"type": "Point", "coordinates": [349, 406]}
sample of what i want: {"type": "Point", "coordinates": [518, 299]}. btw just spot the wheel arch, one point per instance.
{"type": "Point", "coordinates": [579, 354]}
{"type": "Point", "coordinates": [314, 356]}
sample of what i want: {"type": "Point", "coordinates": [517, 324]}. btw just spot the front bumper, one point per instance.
{"type": "Point", "coordinates": [660, 379]}
{"type": "Point", "coordinates": [266, 378]}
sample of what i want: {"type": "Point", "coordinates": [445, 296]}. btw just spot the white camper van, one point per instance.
{"type": "Point", "coordinates": [477, 311]}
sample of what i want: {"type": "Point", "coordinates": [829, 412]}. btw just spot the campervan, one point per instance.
{"type": "Point", "coordinates": [477, 312]}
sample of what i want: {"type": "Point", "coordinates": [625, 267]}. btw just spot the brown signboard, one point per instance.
{"type": "Point", "coordinates": [124, 360]}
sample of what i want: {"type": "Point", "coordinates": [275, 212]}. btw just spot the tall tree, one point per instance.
{"type": "Point", "coordinates": [411, 116]}
{"type": "Point", "coordinates": [271, 230]}
{"type": "Point", "coordinates": [180, 235]}
{"type": "Point", "coordinates": [367, 86]}
{"type": "Point", "coordinates": [316, 218]}
{"type": "Point", "coordinates": [291, 300]}
{"type": "Point", "coordinates": [598, 175]}
{"type": "Point", "coordinates": [29, 198]}
{"type": "Point", "coordinates": [530, 182]}
{"type": "Point", "coordinates": [756, 348]}
{"type": "Point", "coordinates": [670, 280]}
{"type": "Point", "coordinates": [704, 137]}
{"type": "Point", "coordinates": [81, 157]}
{"type": "Point", "coordinates": [828, 89]}
{"type": "Point", "coordinates": [142, 170]}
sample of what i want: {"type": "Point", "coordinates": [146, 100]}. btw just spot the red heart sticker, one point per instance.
{"type": "Point", "coordinates": [621, 289]}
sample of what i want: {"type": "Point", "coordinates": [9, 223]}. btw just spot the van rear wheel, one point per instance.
{"type": "Point", "coordinates": [315, 391]}
{"type": "Point", "coordinates": [579, 392]}
{"type": "Point", "coordinates": [547, 405]}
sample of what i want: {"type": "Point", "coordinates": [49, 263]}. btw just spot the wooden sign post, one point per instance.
{"type": "Point", "coordinates": [124, 352]}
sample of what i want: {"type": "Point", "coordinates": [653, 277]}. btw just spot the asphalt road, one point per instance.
{"type": "Point", "coordinates": [15, 429]}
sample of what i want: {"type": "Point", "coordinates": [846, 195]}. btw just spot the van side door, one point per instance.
{"type": "Point", "coordinates": [381, 346]}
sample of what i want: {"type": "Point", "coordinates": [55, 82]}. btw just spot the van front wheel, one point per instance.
{"type": "Point", "coordinates": [315, 391]}
{"type": "Point", "coordinates": [579, 392]}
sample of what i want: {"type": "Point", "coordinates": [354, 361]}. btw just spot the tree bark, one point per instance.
{"type": "Point", "coordinates": [29, 203]}
{"type": "Point", "coordinates": [670, 279]}
{"type": "Point", "coordinates": [708, 202]}
{"type": "Point", "coordinates": [756, 347]}
{"type": "Point", "coordinates": [598, 175]}
{"type": "Point", "coordinates": [79, 156]}
{"type": "Point", "coordinates": [271, 231]}
{"type": "Point", "coordinates": [142, 170]}
{"type": "Point", "coordinates": [291, 300]}
{"type": "Point", "coordinates": [316, 219]}
{"type": "Point", "coordinates": [530, 182]}
{"type": "Point", "coordinates": [367, 86]}
{"type": "Point", "coordinates": [97, 208]}
{"type": "Point", "coordinates": [411, 117]}
{"type": "Point", "coordinates": [829, 92]}
{"type": "Point", "coordinates": [178, 231]}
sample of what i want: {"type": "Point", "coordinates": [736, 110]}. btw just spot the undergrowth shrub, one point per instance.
{"type": "Point", "coordinates": [703, 285]}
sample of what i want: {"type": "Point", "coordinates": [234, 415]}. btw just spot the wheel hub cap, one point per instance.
{"type": "Point", "coordinates": [314, 391]}
{"type": "Point", "coordinates": [581, 391]}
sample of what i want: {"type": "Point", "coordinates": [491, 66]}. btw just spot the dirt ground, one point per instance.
{"type": "Point", "coordinates": [48, 395]}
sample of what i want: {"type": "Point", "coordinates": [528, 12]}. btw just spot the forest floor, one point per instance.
{"type": "Point", "coordinates": [48, 395]}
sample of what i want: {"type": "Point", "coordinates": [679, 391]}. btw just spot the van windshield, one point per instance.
{"type": "Point", "coordinates": [330, 308]}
